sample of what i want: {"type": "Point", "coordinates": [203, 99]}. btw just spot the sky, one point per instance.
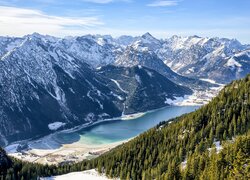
{"type": "Point", "coordinates": [161, 18]}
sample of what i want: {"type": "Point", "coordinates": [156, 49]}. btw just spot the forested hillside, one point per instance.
{"type": "Point", "coordinates": [159, 152]}
{"type": "Point", "coordinates": [182, 149]}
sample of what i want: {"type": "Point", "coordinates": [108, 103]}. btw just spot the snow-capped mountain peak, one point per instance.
{"type": "Point", "coordinates": [139, 46]}
{"type": "Point", "coordinates": [149, 37]}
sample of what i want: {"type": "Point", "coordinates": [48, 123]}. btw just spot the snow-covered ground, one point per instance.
{"type": "Point", "coordinates": [197, 98]}
{"type": "Point", "coordinates": [132, 116]}
{"type": "Point", "coordinates": [84, 175]}
{"type": "Point", "coordinates": [12, 148]}
{"type": "Point", "coordinates": [218, 146]}
{"type": "Point", "coordinates": [119, 86]}
{"type": "Point", "coordinates": [46, 151]}
{"type": "Point", "coordinates": [56, 125]}
{"type": "Point", "coordinates": [212, 82]}
{"type": "Point", "coordinates": [184, 164]}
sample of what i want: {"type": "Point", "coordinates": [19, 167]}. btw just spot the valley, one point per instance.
{"type": "Point", "coordinates": [88, 96]}
{"type": "Point", "coordinates": [91, 141]}
{"type": "Point", "coordinates": [124, 90]}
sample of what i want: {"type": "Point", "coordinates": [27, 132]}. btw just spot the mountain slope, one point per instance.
{"type": "Point", "coordinates": [199, 57]}
{"type": "Point", "coordinates": [142, 53]}
{"type": "Point", "coordinates": [41, 85]}
{"type": "Point", "coordinates": [44, 74]}
{"type": "Point", "coordinates": [43, 88]}
{"type": "Point", "coordinates": [182, 149]}
{"type": "Point", "coordinates": [142, 88]}
{"type": "Point", "coordinates": [160, 152]}
{"type": "Point", "coordinates": [192, 56]}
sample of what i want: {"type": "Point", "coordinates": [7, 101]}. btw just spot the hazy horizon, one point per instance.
{"type": "Point", "coordinates": [115, 37]}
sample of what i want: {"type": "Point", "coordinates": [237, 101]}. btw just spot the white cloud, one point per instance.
{"type": "Point", "coordinates": [19, 21]}
{"type": "Point", "coordinates": [163, 3]}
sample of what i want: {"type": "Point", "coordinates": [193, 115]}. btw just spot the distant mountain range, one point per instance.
{"type": "Point", "coordinates": [77, 80]}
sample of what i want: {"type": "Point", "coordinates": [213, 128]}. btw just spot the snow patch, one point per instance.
{"type": "Point", "coordinates": [90, 117]}
{"type": "Point", "coordinates": [212, 81]}
{"type": "Point", "coordinates": [117, 96]}
{"type": "Point", "coordinates": [101, 41]}
{"type": "Point", "coordinates": [119, 86]}
{"type": "Point", "coordinates": [174, 100]}
{"type": "Point", "coordinates": [218, 146]}
{"type": "Point", "coordinates": [86, 175]}
{"type": "Point", "coordinates": [138, 46]}
{"type": "Point", "coordinates": [72, 90]}
{"type": "Point", "coordinates": [138, 79]}
{"type": "Point", "coordinates": [56, 125]}
{"type": "Point", "coordinates": [150, 74]}
{"type": "Point", "coordinates": [11, 148]}
{"type": "Point", "coordinates": [233, 63]}
{"type": "Point", "coordinates": [184, 164]}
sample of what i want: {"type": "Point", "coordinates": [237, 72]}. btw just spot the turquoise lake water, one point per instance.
{"type": "Point", "coordinates": [118, 130]}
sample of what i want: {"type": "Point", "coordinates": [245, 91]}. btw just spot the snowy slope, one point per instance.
{"type": "Point", "coordinates": [193, 56]}
{"type": "Point", "coordinates": [207, 58]}
{"type": "Point", "coordinates": [41, 84]}
{"type": "Point", "coordinates": [142, 53]}
{"type": "Point", "coordinates": [85, 175]}
{"type": "Point", "coordinates": [141, 88]}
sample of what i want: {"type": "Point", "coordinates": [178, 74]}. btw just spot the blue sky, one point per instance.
{"type": "Point", "coordinates": [162, 18]}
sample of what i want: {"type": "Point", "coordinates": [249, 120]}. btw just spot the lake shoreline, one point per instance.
{"type": "Point", "coordinates": [92, 139]}
{"type": "Point", "coordinates": [88, 125]}
{"type": "Point", "coordinates": [68, 153]}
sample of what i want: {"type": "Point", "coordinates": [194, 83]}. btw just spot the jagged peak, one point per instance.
{"type": "Point", "coordinates": [148, 36]}
{"type": "Point", "coordinates": [35, 35]}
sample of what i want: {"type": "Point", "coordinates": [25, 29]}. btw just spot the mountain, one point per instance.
{"type": "Point", "coordinates": [93, 50]}
{"type": "Point", "coordinates": [45, 85]}
{"type": "Point", "coordinates": [46, 82]}
{"type": "Point", "coordinates": [208, 58]}
{"type": "Point", "coordinates": [125, 40]}
{"type": "Point", "coordinates": [142, 88]}
{"type": "Point", "coordinates": [210, 143]}
{"type": "Point", "coordinates": [41, 85]}
{"type": "Point", "coordinates": [142, 53]}
{"type": "Point", "coordinates": [194, 57]}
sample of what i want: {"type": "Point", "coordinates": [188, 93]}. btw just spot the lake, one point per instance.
{"type": "Point", "coordinates": [119, 130]}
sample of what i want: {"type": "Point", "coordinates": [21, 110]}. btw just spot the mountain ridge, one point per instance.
{"type": "Point", "coordinates": [192, 56]}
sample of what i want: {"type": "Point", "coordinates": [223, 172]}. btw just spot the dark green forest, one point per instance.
{"type": "Point", "coordinates": [160, 152]}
